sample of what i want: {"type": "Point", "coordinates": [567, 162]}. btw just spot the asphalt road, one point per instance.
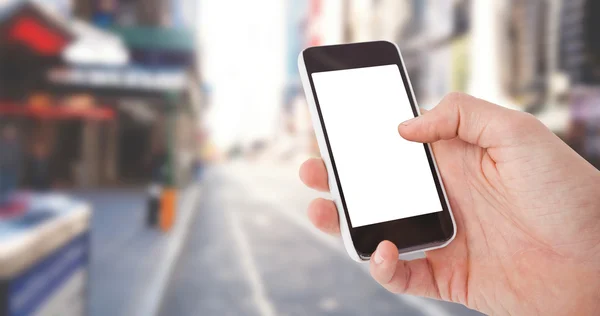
{"type": "Point", "coordinates": [251, 251]}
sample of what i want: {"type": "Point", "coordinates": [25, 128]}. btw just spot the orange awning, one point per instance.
{"type": "Point", "coordinates": [57, 112]}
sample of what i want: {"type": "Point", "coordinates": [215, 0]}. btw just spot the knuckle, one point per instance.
{"type": "Point", "coordinates": [454, 102]}
{"type": "Point", "coordinates": [524, 124]}
{"type": "Point", "coordinates": [455, 98]}
{"type": "Point", "coordinates": [527, 118]}
{"type": "Point", "coordinates": [525, 121]}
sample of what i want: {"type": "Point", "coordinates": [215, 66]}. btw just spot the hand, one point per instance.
{"type": "Point", "coordinates": [527, 210]}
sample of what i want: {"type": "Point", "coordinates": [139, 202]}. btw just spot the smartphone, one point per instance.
{"type": "Point", "coordinates": [384, 187]}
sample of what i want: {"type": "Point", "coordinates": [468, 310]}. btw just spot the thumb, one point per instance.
{"type": "Point", "coordinates": [474, 121]}
{"type": "Point", "coordinates": [415, 277]}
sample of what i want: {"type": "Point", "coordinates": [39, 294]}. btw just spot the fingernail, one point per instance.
{"type": "Point", "coordinates": [408, 122]}
{"type": "Point", "coordinates": [378, 258]}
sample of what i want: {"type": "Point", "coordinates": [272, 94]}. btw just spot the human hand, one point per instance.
{"type": "Point", "coordinates": [527, 210]}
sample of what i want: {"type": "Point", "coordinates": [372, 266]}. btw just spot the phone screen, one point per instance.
{"type": "Point", "coordinates": [383, 176]}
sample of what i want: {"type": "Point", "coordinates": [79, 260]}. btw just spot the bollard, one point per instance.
{"type": "Point", "coordinates": [168, 209]}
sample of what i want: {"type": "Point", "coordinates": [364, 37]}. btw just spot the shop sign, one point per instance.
{"type": "Point", "coordinates": [120, 78]}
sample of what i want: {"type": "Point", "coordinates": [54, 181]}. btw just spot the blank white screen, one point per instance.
{"type": "Point", "coordinates": [383, 176]}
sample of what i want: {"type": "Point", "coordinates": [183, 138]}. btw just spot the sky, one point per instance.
{"type": "Point", "coordinates": [243, 55]}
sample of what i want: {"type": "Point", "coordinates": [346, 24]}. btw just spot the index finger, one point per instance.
{"type": "Point", "coordinates": [314, 174]}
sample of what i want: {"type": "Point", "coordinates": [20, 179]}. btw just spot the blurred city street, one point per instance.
{"type": "Point", "coordinates": [252, 251]}
{"type": "Point", "coordinates": [149, 149]}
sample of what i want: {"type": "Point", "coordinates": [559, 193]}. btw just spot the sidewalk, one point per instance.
{"type": "Point", "coordinates": [131, 264]}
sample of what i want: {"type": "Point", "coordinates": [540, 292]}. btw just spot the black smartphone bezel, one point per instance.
{"type": "Point", "coordinates": [408, 234]}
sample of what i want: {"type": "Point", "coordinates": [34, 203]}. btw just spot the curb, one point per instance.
{"type": "Point", "coordinates": [151, 301]}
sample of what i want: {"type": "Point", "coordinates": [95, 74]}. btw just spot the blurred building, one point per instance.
{"type": "Point", "coordinates": [580, 49]}
{"type": "Point", "coordinates": [32, 39]}
{"type": "Point", "coordinates": [164, 74]}
{"type": "Point", "coordinates": [308, 23]}
{"type": "Point", "coordinates": [526, 79]}
{"type": "Point", "coordinates": [104, 84]}
{"type": "Point", "coordinates": [423, 32]}
{"type": "Point", "coordinates": [539, 56]}
{"type": "Point", "coordinates": [580, 61]}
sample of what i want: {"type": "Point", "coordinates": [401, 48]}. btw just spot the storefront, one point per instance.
{"type": "Point", "coordinates": [59, 134]}
{"type": "Point", "coordinates": [99, 116]}
{"type": "Point", "coordinates": [156, 110]}
{"type": "Point", "coordinates": [50, 124]}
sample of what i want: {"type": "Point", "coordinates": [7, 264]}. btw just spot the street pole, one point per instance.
{"type": "Point", "coordinates": [168, 200]}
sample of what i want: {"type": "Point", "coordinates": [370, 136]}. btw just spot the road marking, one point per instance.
{"type": "Point", "coordinates": [262, 221]}
{"type": "Point", "coordinates": [152, 300]}
{"type": "Point", "coordinates": [259, 294]}
{"type": "Point", "coordinates": [422, 305]}
{"type": "Point", "coordinates": [329, 304]}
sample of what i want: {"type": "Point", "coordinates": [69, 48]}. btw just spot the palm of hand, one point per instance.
{"type": "Point", "coordinates": [512, 250]}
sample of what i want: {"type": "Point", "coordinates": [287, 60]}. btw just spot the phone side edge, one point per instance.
{"type": "Point", "coordinates": [437, 172]}
{"type": "Point", "coordinates": [323, 149]}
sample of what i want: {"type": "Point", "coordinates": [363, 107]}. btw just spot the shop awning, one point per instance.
{"type": "Point", "coordinates": [94, 46]}
{"type": "Point", "coordinates": [157, 38]}
{"type": "Point", "coordinates": [57, 112]}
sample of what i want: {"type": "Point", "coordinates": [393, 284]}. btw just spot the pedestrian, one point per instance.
{"type": "Point", "coordinates": [10, 162]}
{"type": "Point", "coordinates": [527, 211]}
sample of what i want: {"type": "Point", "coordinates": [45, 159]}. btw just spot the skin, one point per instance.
{"type": "Point", "coordinates": [527, 210]}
